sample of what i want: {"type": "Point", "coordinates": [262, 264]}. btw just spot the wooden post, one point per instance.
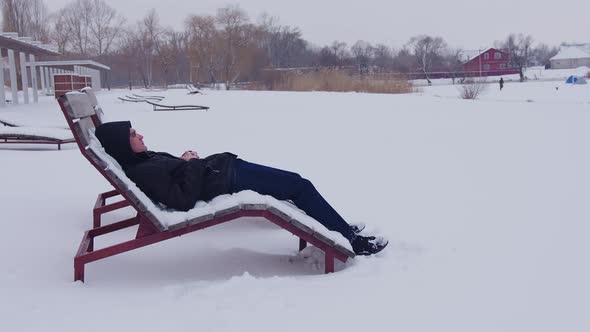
{"type": "Point", "coordinates": [2, 92]}
{"type": "Point", "coordinates": [329, 261]}
{"type": "Point", "coordinates": [34, 78]}
{"type": "Point", "coordinates": [42, 78]}
{"type": "Point", "coordinates": [24, 77]}
{"type": "Point", "coordinates": [13, 82]}
{"type": "Point", "coordinates": [302, 244]}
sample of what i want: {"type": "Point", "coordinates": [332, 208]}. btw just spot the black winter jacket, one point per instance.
{"type": "Point", "coordinates": [167, 179]}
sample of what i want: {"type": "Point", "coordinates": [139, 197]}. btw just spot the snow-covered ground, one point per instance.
{"type": "Point", "coordinates": [485, 203]}
{"type": "Point", "coordinates": [538, 73]}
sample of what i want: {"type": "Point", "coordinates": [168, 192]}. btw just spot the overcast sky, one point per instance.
{"type": "Point", "coordinates": [462, 23]}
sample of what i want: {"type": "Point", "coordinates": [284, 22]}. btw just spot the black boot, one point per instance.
{"type": "Point", "coordinates": [357, 228]}
{"type": "Point", "coordinates": [368, 245]}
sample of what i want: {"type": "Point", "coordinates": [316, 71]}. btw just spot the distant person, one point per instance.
{"type": "Point", "coordinates": [501, 83]}
{"type": "Point", "coordinates": [179, 183]}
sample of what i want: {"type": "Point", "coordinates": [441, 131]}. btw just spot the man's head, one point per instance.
{"type": "Point", "coordinates": [121, 141]}
{"type": "Point", "coordinates": [136, 141]}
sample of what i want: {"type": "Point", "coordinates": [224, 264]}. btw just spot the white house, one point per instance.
{"type": "Point", "coordinates": [571, 57]}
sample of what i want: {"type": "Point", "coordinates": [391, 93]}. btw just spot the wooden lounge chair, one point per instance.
{"type": "Point", "coordinates": [16, 132]}
{"type": "Point", "coordinates": [8, 123]}
{"type": "Point", "coordinates": [192, 90]}
{"type": "Point", "coordinates": [35, 135]}
{"type": "Point", "coordinates": [148, 97]}
{"type": "Point", "coordinates": [161, 107]}
{"type": "Point", "coordinates": [131, 100]}
{"type": "Point", "coordinates": [155, 224]}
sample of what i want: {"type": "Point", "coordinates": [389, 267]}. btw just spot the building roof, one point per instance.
{"type": "Point", "coordinates": [11, 40]}
{"type": "Point", "coordinates": [571, 52]}
{"type": "Point", "coordinates": [466, 56]}
{"type": "Point", "coordinates": [62, 63]}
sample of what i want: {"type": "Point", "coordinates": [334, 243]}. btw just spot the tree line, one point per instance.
{"type": "Point", "coordinates": [228, 47]}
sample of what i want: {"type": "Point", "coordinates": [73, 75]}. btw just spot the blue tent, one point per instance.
{"type": "Point", "coordinates": [572, 79]}
{"type": "Point", "coordinates": [575, 80]}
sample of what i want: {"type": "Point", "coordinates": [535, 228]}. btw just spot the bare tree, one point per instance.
{"type": "Point", "coordinates": [362, 52]}
{"type": "Point", "coordinates": [130, 49]}
{"type": "Point", "coordinates": [78, 18]}
{"type": "Point", "coordinates": [543, 53]}
{"type": "Point", "coordinates": [26, 17]}
{"type": "Point", "coordinates": [149, 33]}
{"type": "Point", "coordinates": [518, 47]}
{"type": "Point", "coordinates": [38, 26]}
{"type": "Point", "coordinates": [60, 32]}
{"type": "Point", "coordinates": [231, 20]}
{"type": "Point", "coordinates": [203, 47]}
{"type": "Point", "coordinates": [15, 15]}
{"type": "Point", "coordinates": [283, 45]}
{"type": "Point", "coordinates": [168, 49]}
{"type": "Point", "coordinates": [106, 25]}
{"type": "Point", "coordinates": [454, 63]}
{"type": "Point", "coordinates": [383, 57]}
{"type": "Point", "coordinates": [426, 50]}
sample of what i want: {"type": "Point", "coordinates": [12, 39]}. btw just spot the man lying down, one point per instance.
{"type": "Point", "coordinates": [179, 183]}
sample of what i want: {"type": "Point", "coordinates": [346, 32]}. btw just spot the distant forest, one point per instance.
{"type": "Point", "coordinates": [228, 47]}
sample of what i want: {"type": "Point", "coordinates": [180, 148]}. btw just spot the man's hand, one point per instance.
{"type": "Point", "coordinates": [188, 155]}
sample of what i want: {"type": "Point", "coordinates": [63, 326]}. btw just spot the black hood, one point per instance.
{"type": "Point", "coordinates": [114, 137]}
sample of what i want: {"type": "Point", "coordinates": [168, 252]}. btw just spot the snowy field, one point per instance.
{"type": "Point", "coordinates": [485, 203]}
{"type": "Point", "coordinates": [538, 73]}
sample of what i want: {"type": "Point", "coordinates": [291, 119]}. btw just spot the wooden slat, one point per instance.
{"type": "Point", "coordinates": [260, 207]}
{"type": "Point", "coordinates": [122, 185]}
{"type": "Point", "coordinates": [324, 239]}
{"type": "Point", "coordinates": [178, 226]}
{"type": "Point", "coordinates": [201, 219]}
{"type": "Point", "coordinates": [79, 105]}
{"type": "Point", "coordinates": [81, 127]}
{"type": "Point", "coordinates": [280, 214]}
{"type": "Point", "coordinates": [94, 157]}
{"type": "Point", "coordinates": [344, 251]}
{"type": "Point", "coordinates": [301, 226]}
{"type": "Point", "coordinates": [94, 102]}
{"type": "Point", "coordinates": [155, 221]}
{"type": "Point", "coordinates": [91, 95]}
{"type": "Point", "coordinates": [227, 211]}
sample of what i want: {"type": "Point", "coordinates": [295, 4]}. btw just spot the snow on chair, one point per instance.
{"type": "Point", "coordinates": [157, 224]}
{"type": "Point", "coordinates": [15, 131]}
{"type": "Point", "coordinates": [35, 135]}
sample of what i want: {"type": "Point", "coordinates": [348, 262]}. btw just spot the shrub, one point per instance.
{"type": "Point", "coordinates": [471, 88]}
{"type": "Point", "coordinates": [333, 80]}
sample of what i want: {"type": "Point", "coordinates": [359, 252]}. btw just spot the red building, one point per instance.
{"type": "Point", "coordinates": [491, 62]}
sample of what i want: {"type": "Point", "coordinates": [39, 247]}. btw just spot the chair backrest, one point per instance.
{"type": "Point", "coordinates": [81, 116]}
{"type": "Point", "coordinates": [94, 102]}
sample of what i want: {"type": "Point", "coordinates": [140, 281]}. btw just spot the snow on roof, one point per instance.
{"type": "Point", "coordinates": [466, 56]}
{"type": "Point", "coordinates": [469, 55]}
{"type": "Point", "coordinates": [570, 52]}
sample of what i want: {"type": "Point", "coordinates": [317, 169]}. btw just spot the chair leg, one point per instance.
{"type": "Point", "coordinates": [302, 244]}
{"type": "Point", "coordinates": [329, 262]}
{"type": "Point", "coordinates": [78, 270]}
{"type": "Point", "coordinates": [96, 219]}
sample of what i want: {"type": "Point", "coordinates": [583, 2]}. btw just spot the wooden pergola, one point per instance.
{"type": "Point", "coordinates": [79, 67]}
{"type": "Point", "coordinates": [25, 49]}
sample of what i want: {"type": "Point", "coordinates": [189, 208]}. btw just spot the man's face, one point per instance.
{"type": "Point", "coordinates": [136, 141]}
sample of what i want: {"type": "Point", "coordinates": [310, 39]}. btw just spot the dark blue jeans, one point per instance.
{"type": "Point", "coordinates": [284, 185]}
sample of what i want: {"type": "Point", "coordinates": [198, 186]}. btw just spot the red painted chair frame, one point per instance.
{"type": "Point", "coordinates": [16, 140]}
{"type": "Point", "coordinates": [148, 234]}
